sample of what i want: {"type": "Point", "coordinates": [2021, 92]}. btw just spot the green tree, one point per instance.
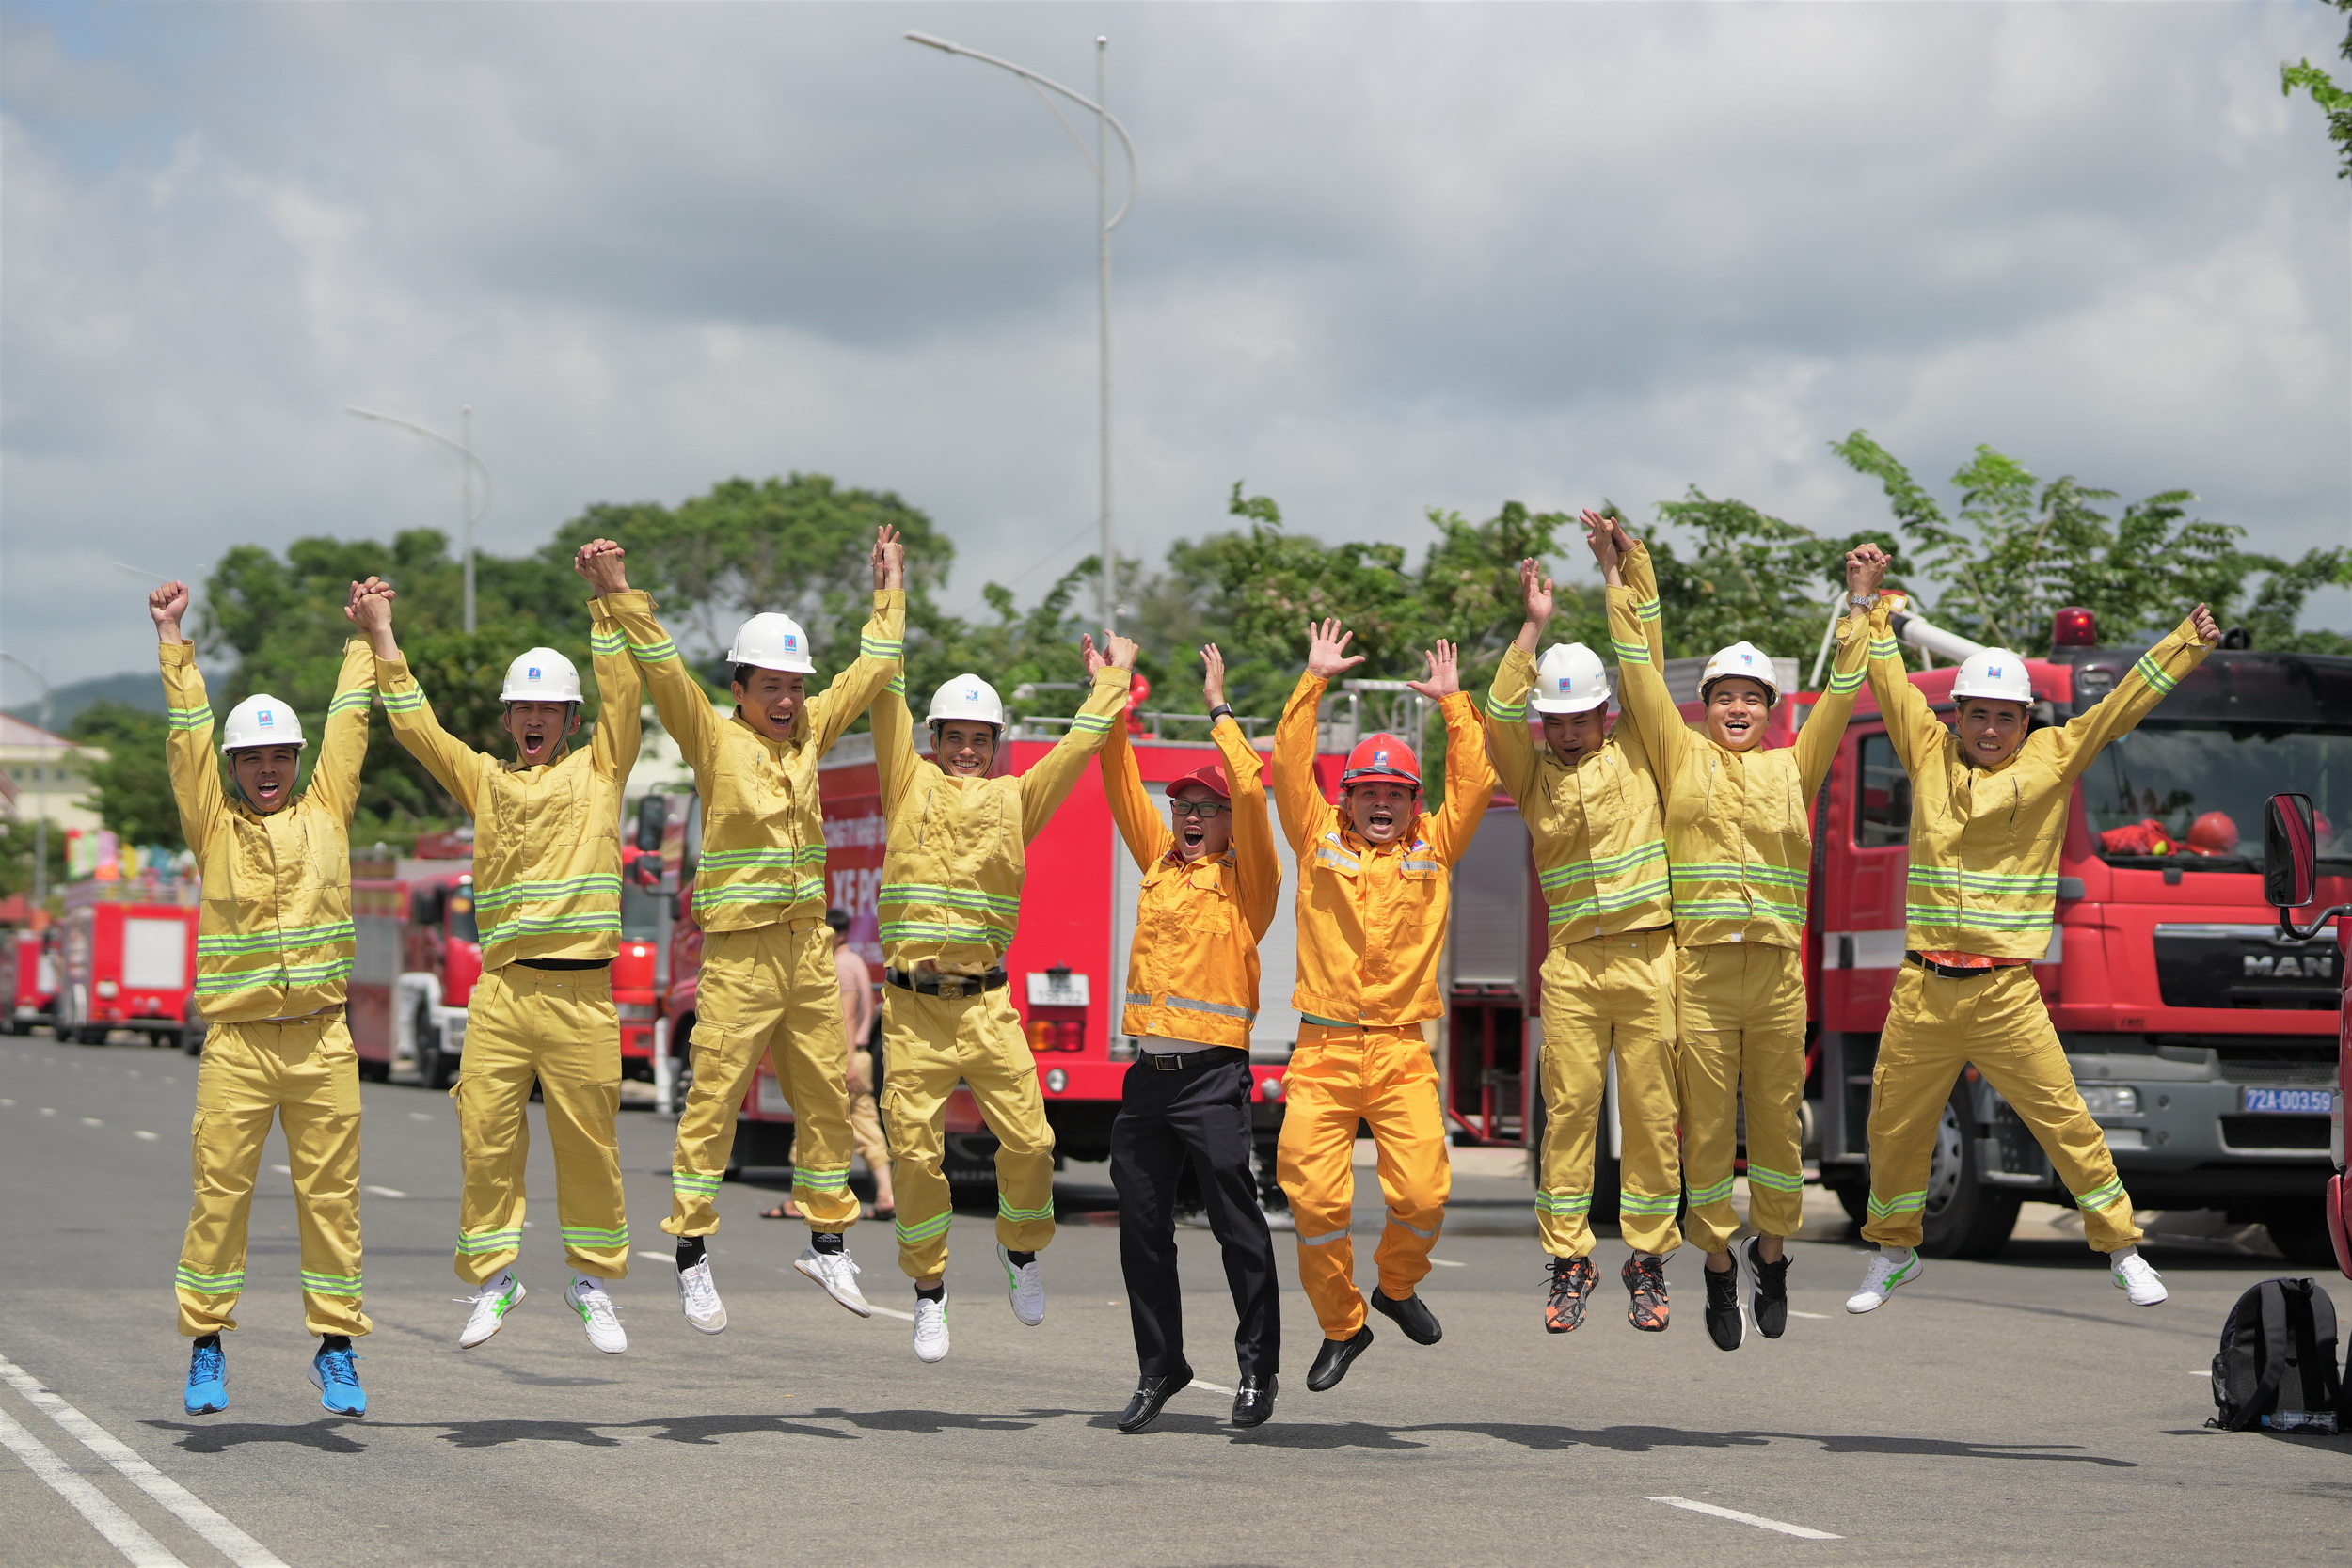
{"type": "Point", "coordinates": [16, 856]}
{"type": "Point", "coordinates": [2334, 100]}
{"type": "Point", "coordinates": [1753, 579]}
{"type": "Point", "coordinates": [132, 786]}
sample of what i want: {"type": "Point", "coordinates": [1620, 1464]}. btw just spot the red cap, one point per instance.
{"type": "Point", "coordinates": [2214, 833]}
{"type": "Point", "coordinates": [1381, 757]}
{"type": "Point", "coordinates": [1211, 775]}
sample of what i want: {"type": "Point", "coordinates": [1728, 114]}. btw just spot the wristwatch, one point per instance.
{"type": "Point", "coordinates": [1222, 710]}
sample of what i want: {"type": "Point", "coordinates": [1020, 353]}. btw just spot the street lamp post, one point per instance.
{"type": "Point", "coordinates": [41, 794]}
{"type": "Point", "coordinates": [1105, 220]}
{"type": "Point", "coordinates": [467, 463]}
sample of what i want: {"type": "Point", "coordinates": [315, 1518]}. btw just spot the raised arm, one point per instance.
{"type": "Point", "coordinates": [1511, 747]}
{"type": "Point", "coordinates": [1910, 723]}
{"type": "Point", "coordinates": [454, 765]}
{"type": "Point", "coordinates": [1258, 870]}
{"type": "Point", "coordinates": [1817, 742]}
{"type": "Point", "coordinates": [1640, 576]}
{"type": "Point", "coordinates": [1146, 836]}
{"type": "Point", "coordinates": [678, 698]}
{"type": "Point", "coordinates": [1045, 786]}
{"type": "Point", "coordinates": [1470, 783]}
{"type": "Point", "coordinates": [896, 761]}
{"type": "Point", "coordinates": [335, 780]}
{"type": "Point", "coordinates": [620, 690]}
{"type": "Point", "coordinates": [1298, 794]}
{"type": "Point", "coordinates": [2149, 681]}
{"type": "Point", "coordinates": [880, 648]}
{"type": "Point", "coordinates": [189, 746]}
{"type": "Point", "coordinates": [1641, 683]}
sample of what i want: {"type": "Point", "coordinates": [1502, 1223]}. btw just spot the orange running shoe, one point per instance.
{"type": "Point", "coordinates": [1645, 1277]}
{"type": "Point", "coordinates": [1572, 1280]}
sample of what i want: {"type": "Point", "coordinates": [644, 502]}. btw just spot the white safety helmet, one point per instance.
{"type": "Point", "coordinates": [541, 675]}
{"type": "Point", "coordinates": [1747, 661]}
{"type": "Point", "coordinates": [967, 697]}
{"type": "Point", "coordinates": [1569, 679]}
{"type": "Point", "coordinates": [771, 641]}
{"type": "Point", "coordinates": [1994, 672]}
{"type": "Point", "coordinates": [261, 720]}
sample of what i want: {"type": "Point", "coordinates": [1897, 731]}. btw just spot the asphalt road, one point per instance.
{"type": "Point", "coordinates": [2017, 1410]}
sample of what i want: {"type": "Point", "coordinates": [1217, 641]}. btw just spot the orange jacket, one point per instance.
{"type": "Point", "coordinates": [1372, 919]}
{"type": "Point", "coordinates": [1192, 970]}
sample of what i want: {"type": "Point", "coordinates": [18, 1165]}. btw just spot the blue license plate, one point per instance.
{"type": "Point", "coordinates": [2302, 1103]}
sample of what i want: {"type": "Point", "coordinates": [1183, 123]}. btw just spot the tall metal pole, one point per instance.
{"type": "Point", "coordinates": [464, 504]}
{"type": "Point", "coordinates": [40, 794]}
{"type": "Point", "coordinates": [1103, 239]}
{"type": "Point", "coordinates": [467, 463]}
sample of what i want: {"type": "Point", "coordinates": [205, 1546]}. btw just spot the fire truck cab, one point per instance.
{"type": "Point", "coordinates": [2293, 839]}
{"type": "Point", "coordinates": [126, 959]}
{"type": "Point", "coordinates": [30, 987]}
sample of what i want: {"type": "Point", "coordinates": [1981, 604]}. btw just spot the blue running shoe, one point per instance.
{"type": "Point", "coordinates": [335, 1373]}
{"type": "Point", "coordinates": [208, 1381]}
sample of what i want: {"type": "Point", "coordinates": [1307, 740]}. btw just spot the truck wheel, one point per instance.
{"type": "Point", "coordinates": [1964, 1217]}
{"type": "Point", "coordinates": [432, 1066]}
{"type": "Point", "coordinates": [1854, 1197]}
{"type": "Point", "coordinates": [969, 1164]}
{"type": "Point", "coordinates": [2300, 1231]}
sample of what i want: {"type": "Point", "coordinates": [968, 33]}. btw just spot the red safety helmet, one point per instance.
{"type": "Point", "coordinates": [1211, 776]}
{"type": "Point", "coordinates": [1381, 757]}
{"type": "Point", "coordinates": [2214, 833]}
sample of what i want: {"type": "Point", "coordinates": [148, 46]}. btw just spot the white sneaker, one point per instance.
{"type": "Point", "coordinates": [930, 1329]}
{"type": "Point", "coordinates": [491, 1303]}
{"type": "Point", "coordinates": [597, 1314]}
{"type": "Point", "coordinates": [1880, 1279]}
{"type": "Point", "coordinates": [2136, 1280]}
{"type": "Point", "coordinates": [837, 1274]}
{"type": "Point", "coordinates": [700, 1298]}
{"type": "Point", "coordinates": [1025, 1284]}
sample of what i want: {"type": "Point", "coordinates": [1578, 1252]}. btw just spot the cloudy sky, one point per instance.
{"type": "Point", "coordinates": [1384, 257]}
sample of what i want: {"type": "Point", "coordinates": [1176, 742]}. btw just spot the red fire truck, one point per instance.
{"type": "Point", "coordinates": [30, 985]}
{"type": "Point", "coordinates": [2203, 1039]}
{"type": "Point", "coordinates": [2294, 844]}
{"type": "Point", "coordinates": [635, 980]}
{"type": "Point", "coordinates": [419, 954]}
{"type": "Point", "coordinates": [126, 959]}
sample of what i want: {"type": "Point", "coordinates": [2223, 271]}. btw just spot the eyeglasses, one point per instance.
{"type": "Point", "coordinates": [1195, 808]}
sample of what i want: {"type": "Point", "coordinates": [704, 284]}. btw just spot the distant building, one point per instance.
{"type": "Point", "coordinates": [46, 775]}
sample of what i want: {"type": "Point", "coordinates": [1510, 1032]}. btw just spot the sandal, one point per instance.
{"type": "Point", "coordinates": [781, 1212]}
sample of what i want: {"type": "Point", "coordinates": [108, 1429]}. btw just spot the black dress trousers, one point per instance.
{"type": "Point", "coordinates": [1198, 1105]}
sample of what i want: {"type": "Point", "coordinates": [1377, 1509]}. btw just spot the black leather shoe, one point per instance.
{"type": "Point", "coordinates": [1334, 1358]}
{"type": "Point", "coordinates": [1412, 1315]}
{"type": "Point", "coordinates": [1253, 1401]}
{"type": "Point", "coordinates": [1150, 1394]}
{"type": "Point", "coordinates": [1771, 1297]}
{"type": "Point", "coordinates": [1724, 1324]}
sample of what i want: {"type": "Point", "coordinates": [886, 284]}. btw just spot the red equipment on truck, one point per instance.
{"type": "Point", "coordinates": [126, 959]}
{"type": "Point", "coordinates": [419, 954]}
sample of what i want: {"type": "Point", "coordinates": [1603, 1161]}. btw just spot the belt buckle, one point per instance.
{"type": "Point", "coordinates": [1172, 1062]}
{"type": "Point", "coordinates": [950, 988]}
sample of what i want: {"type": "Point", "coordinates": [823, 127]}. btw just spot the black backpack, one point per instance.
{"type": "Point", "coordinates": [2277, 1365]}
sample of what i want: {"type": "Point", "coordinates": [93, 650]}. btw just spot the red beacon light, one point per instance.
{"type": "Point", "coordinates": [2074, 628]}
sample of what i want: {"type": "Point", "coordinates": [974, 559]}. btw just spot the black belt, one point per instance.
{"type": "Point", "coordinates": [1177, 1061]}
{"type": "Point", "coordinates": [953, 986]}
{"type": "Point", "coordinates": [1954, 971]}
{"type": "Point", "coordinates": [565, 963]}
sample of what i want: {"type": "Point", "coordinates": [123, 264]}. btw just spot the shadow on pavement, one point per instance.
{"type": "Point", "coordinates": [219, 1437]}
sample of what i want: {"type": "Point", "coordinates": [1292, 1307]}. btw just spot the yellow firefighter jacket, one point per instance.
{"type": "Point", "coordinates": [763, 856]}
{"type": "Point", "coordinates": [1371, 918]}
{"type": "Point", "coordinates": [957, 852]}
{"type": "Point", "coordinates": [1738, 824]}
{"type": "Point", "coordinates": [1192, 970]}
{"type": "Point", "coordinates": [547, 847]}
{"type": "Point", "coordinates": [1985, 841]}
{"type": "Point", "coordinates": [1597, 829]}
{"type": "Point", "coordinates": [275, 938]}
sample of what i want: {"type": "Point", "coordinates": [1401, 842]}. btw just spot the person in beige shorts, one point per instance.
{"type": "Point", "coordinates": [857, 1018]}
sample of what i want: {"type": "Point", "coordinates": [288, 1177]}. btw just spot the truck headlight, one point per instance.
{"type": "Point", "coordinates": [1057, 1080]}
{"type": "Point", "coordinates": [636, 1012]}
{"type": "Point", "coordinates": [2110, 1099]}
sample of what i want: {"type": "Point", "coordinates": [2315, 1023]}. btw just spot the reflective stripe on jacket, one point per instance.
{"type": "Point", "coordinates": [763, 855]}
{"type": "Point", "coordinates": [1597, 829]}
{"type": "Point", "coordinates": [274, 938]}
{"type": "Point", "coordinates": [1192, 970]}
{"type": "Point", "coordinates": [1738, 824]}
{"type": "Point", "coordinates": [1985, 842]}
{"type": "Point", "coordinates": [1371, 918]}
{"type": "Point", "coordinates": [547, 847]}
{"type": "Point", "coordinates": [958, 848]}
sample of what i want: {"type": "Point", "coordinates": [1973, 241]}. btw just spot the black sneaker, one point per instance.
{"type": "Point", "coordinates": [1771, 1297]}
{"type": "Point", "coordinates": [1572, 1281]}
{"type": "Point", "coordinates": [1724, 1323]}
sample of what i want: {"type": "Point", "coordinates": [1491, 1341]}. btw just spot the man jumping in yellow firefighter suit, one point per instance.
{"type": "Point", "coordinates": [1740, 851]}
{"type": "Point", "coordinates": [950, 903]}
{"type": "Point", "coordinates": [547, 896]}
{"type": "Point", "coordinates": [1374, 883]}
{"type": "Point", "coordinates": [1988, 818]}
{"type": "Point", "coordinates": [1591, 800]}
{"type": "Point", "coordinates": [273, 953]}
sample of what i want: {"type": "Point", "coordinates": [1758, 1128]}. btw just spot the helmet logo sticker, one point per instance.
{"type": "Point", "coordinates": [532, 673]}
{"type": "Point", "coordinates": [265, 717]}
{"type": "Point", "coordinates": [1566, 681]}
{"type": "Point", "coordinates": [1380, 759]}
{"type": "Point", "coordinates": [790, 643]}
{"type": "Point", "coordinates": [1994, 670]}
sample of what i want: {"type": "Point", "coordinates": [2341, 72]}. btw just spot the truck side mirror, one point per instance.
{"type": "Point", "coordinates": [652, 815]}
{"type": "Point", "coordinates": [425, 906]}
{"type": "Point", "coordinates": [2290, 853]}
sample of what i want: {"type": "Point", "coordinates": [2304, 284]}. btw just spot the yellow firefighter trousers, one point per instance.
{"type": "Point", "coordinates": [865, 1131]}
{"type": "Point", "coordinates": [556, 1026]}
{"type": "Point", "coordinates": [770, 990]}
{"type": "Point", "coordinates": [1999, 1022]}
{"type": "Point", "coordinates": [1739, 1009]}
{"type": "Point", "coordinates": [1384, 1077]}
{"type": "Point", "coordinates": [1603, 995]}
{"type": "Point", "coordinates": [929, 1043]}
{"type": "Point", "coordinates": [304, 1072]}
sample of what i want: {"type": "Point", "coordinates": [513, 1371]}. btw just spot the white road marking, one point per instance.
{"type": "Point", "coordinates": [893, 1312]}
{"type": "Point", "coordinates": [122, 1531]}
{"type": "Point", "coordinates": [231, 1541]}
{"type": "Point", "coordinates": [49, 1110]}
{"type": "Point", "coordinates": [656, 1256]}
{"type": "Point", "coordinates": [7, 1102]}
{"type": "Point", "coordinates": [385, 1192]}
{"type": "Point", "coordinates": [1817, 1317]}
{"type": "Point", "coordinates": [418, 1115]}
{"type": "Point", "coordinates": [147, 1137]}
{"type": "Point", "coordinates": [1757, 1520]}
{"type": "Point", "coordinates": [92, 1121]}
{"type": "Point", "coordinates": [1448, 1263]}
{"type": "Point", "coordinates": [1219, 1387]}
{"type": "Point", "coordinates": [283, 1170]}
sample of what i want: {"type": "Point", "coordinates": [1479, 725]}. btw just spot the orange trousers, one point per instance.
{"type": "Point", "coordinates": [1384, 1077]}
